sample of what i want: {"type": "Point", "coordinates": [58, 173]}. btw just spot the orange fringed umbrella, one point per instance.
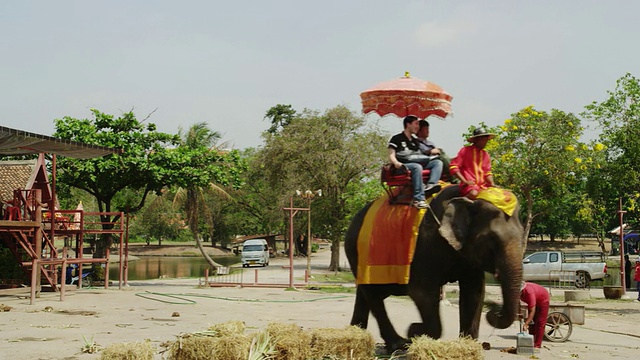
{"type": "Point", "coordinates": [407, 96]}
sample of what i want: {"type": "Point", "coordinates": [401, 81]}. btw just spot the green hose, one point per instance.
{"type": "Point", "coordinates": [145, 295]}
{"type": "Point", "coordinates": [156, 295]}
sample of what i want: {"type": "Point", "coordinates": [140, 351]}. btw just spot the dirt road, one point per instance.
{"type": "Point", "coordinates": [51, 329]}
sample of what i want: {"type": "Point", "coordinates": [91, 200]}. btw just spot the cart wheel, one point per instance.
{"type": "Point", "coordinates": [558, 327]}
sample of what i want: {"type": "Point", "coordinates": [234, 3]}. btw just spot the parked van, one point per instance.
{"type": "Point", "coordinates": [255, 252]}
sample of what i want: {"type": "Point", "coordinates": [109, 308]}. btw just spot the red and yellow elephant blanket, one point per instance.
{"type": "Point", "coordinates": [386, 242]}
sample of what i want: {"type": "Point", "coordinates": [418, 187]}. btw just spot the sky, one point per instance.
{"type": "Point", "coordinates": [227, 62]}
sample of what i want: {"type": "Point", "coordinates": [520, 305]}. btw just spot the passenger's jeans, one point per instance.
{"type": "Point", "coordinates": [416, 180]}
{"type": "Point", "coordinates": [435, 166]}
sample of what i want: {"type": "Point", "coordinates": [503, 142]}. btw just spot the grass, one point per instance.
{"type": "Point", "coordinates": [336, 277]}
{"type": "Point", "coordinates": [89, 346]}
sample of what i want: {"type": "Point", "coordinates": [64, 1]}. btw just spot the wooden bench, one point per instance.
{"type": "Point", "coordinates": [397, 183]}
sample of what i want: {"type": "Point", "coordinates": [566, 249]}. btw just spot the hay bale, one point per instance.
{"type": "Point", "coordinates": [210, 346]}
{"type": "Point", "coordinates": [424, 347]}
{"type": "Point", "coordinates": [289, 341]}
{"type": "Point", "coordinates": [229, 327]}
{"type": "Point", "coordinates": [351, 342]}
{"type": "Point", "coordinates": [128, 351]}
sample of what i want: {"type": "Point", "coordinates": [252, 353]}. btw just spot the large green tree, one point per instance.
{"type": "Point", "coordinates": [618, 118]}
{"type": "Point", "coordinates": [149, 161]}
{"type": "Point", "coordinates": [538, 155]}
{"type": "Point", "coordinates": [140, 166]}
{"type": "Point", "coordinates": [257, 199]}
{"type": "Point", "coordinates": [327, 151]}
{"type": "Point", "coordinates": [208, 169]}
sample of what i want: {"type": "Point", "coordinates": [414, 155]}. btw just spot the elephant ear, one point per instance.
{"type": "Point", "coordinates": [455, 221]}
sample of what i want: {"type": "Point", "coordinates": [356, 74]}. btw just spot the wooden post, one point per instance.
{"type": "Point", "coordinates": [621, 216]}
{"type": "Point", "coordinates": [121, 263]}
{"type": "Point", "coordinates": [126, 251]}
{"type": "Point", "coordinates": [63, 274]}
{"type": "Point", "coordinates": [291, 215]}
{"type": "Point", "coordinates": [38, 239]}
{"type": "Point", "coordinates": [106, 268]}
{"type": "Point", "coordinates": [34, 276]}
{"type": "Point", "coordinates": [308, 240]}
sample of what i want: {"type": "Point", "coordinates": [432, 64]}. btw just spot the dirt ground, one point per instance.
{"type": "Point", "coordinates": [54, 329]}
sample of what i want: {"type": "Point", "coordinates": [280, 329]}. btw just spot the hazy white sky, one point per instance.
{"type": "Point", "coordinates": [228, 62]}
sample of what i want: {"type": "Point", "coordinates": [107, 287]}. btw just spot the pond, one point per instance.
{"type": "Point", "coordinates": [153, 267]}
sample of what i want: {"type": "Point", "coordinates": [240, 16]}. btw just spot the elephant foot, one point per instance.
{"type": "Point", "coordinates": [419, 329]}
{"type": "Point", "coordinates": [396, 346]}
{"type": "Point", "coordinates": [415, 329]}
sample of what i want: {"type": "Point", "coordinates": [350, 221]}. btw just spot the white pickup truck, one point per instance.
{"type": "Point", "coordinates": [577, 267]}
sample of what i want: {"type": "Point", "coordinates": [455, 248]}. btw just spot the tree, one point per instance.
{"type": "Point", "coordinates": [538, 155]}
{"type": "Point", "coordinates": [158, 220]}
{"type": "Point", "coordinates": [327, 151]}
{"type": "Point", "coordinates": [280, 116]}
{"type": "Point", "coordinates": [208, 168]}
{"type": "Point", "coordinates": [149, 161]}
{"type": "Point", "coordinates": [256, 197]}
{"type": "Point", "coordinates": [140, 166]}
{"type": "Point", "coordinates": [619, 177]}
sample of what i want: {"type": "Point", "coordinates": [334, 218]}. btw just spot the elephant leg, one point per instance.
{"type": "Point", "coordinates": [428, 302]}
{"type": "Point", "coordinates": [392, 340]}
{"type": "Point", "coordinates": [360, 316]}
{"type": "Point", "coordinates": [471, 303]}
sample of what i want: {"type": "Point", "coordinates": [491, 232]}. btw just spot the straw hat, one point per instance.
{"type": "Point", "coordinates": [480, 132]}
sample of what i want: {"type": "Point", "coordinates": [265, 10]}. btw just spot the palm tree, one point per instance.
{"type": "Point", "coordinates": [191, 196]}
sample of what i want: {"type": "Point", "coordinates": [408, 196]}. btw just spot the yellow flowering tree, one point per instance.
{"type": "Point", "coordinates": [539, 156]}
{"type": "Point", "coordinates": [619, 177]}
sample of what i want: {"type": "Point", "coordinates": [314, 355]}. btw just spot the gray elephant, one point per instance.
{"type": "Point", "coordinates": [473, 237]}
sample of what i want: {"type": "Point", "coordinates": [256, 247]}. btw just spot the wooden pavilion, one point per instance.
{"type": "Point", "coordinates": [31, 219]}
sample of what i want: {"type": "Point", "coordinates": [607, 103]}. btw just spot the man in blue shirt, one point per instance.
{"type": "Point", "coordinates": [429, 148]}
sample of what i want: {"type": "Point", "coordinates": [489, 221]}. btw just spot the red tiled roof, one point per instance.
{"type": "Point", "coordinates": [14, 175]}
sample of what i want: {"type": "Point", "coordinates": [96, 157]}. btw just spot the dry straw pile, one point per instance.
{"type": "Point", "coordinates": [221, 341]}
{"type": "Point", "coordinates": [424, 347]}
{"type": "Point", "coordinates": [349, 343]}
{"type": "Point", "coordinates": [278, 341]}
{"type": "Point", "coordinates": [228, 341]}
{"type": "Point", "coordinates": [128, 351]}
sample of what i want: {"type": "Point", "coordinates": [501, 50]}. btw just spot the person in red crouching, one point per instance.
{"type": "Point", "coordinates": [537, 299]}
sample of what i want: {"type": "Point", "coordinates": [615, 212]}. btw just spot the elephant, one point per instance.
{"type": "Point", "coordinates": [469, 238]}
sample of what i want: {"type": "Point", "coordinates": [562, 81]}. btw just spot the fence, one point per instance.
{"type": "Point", "coordinates": [237, 276]}
{"type": "Point", "coordinates": [562, 279]}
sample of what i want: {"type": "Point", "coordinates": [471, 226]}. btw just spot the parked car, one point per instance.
{"type": "Point", "coordinates": [255, 252]}
{"type": "Point", "coordinates": [577, 267]}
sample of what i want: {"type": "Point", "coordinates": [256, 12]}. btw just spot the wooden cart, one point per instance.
{"type": "Point", "coordinates": [560, 321]}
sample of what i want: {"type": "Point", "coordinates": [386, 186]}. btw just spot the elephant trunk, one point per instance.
{"type": "Point", "coordinates": [510, 277]}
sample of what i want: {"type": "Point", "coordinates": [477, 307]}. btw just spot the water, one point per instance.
{"type": "Point", "coordinates": [154, 267]}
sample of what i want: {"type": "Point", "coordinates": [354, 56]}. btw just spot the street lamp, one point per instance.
{"type": "Point", "coordinates": [621, 216]}
{"type": "Point", "coordinates": [309, 196]}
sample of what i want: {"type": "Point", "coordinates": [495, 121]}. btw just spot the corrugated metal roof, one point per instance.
{"type": "Point", "coordinates": [17, 142]}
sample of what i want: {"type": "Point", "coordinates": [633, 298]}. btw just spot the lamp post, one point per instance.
{"type": "Point", "coordinates": [309, 196]}
{"type": "Point", "coordinates": [621, 215]}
